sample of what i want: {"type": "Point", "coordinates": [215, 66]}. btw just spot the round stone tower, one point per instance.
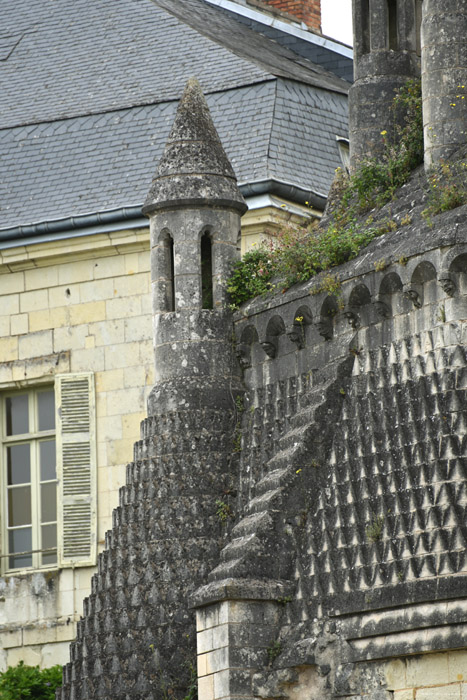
{"type": "Point", "coordinates": [137, 638]}
{"type": "Point", "coordinates": [386, 55]}
{"type": "Point", "coordinates": [444, 81]}
{"type": "Point", "coordinates": [194, 206]}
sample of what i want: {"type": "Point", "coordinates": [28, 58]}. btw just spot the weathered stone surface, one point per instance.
{"type": "Point", "coordinates": [194, 168]}
{"type": "Point", "coordinates": [314, 509]}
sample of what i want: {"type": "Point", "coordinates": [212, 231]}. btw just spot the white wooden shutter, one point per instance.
{"type": "Point", "coordinates": [76, 469]}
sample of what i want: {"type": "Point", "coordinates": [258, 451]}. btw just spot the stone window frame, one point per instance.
{"type": "Point", "coordinates": [38, 557]}
{"type": "Point", "coordinates": [76, 471]}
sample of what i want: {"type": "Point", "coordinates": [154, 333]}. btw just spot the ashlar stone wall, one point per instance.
{"type": "Point", "coordinates": [82, 304]}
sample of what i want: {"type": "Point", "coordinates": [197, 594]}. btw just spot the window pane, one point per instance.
{"type": "Point", "coordinates": [47, 459]}
{"type": "Point", "coordinates": [46, 410]}
{"type": "Point", "coordinates": [17, 417]}
{"type": "Point", "coordinates": [18, 458]}
{"type": "Point", "coordinates": [19, 506]}
{"type": "Point", "coordinates": [48, 503]}
{"type": "Point", "coordinates": [49, 540]}
{"type": "Point", "coordinates": [20, 541]}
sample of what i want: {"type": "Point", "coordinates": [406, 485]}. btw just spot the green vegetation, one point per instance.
{"type": "Point", "coordinates": [447, 189]}
{"type": "Point", "coordinates": [299, 253]}
{"type": "Point", "coordinates": [224, 511]}
{"type": "Point", "coordinates": [192, 693]}
{"type": "Point", "coordinates": [273, 651]}
{"type": "Point", "coordinates": [374, 531]}
{"type": "Point", "coordinates": [23, 682]}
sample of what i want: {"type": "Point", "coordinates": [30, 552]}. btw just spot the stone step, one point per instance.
{"type": "Point", "coordinates": [272, 480]}
{"type": "Point", "coordinates": [226, 569]}
{"type": "Point", "coordinates": [295, 438]}
{"type": "Point", "coordinates": [237, 546]}
{"type": "Point", "coordinates": [251, 524]}
{"type": "Point", "coordinates": [261, 503]}
{"type": "Point", "coordinates": [288, 457]}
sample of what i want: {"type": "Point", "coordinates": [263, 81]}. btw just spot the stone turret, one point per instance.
{"type": "Point", "coordinates": [137, 638]}
{"type": "Point", "coordinates": [194, 206]}
{"type": "Point", "coordinates": [444, 82]}
{"type": "Point", "coordinates": [386, 55]}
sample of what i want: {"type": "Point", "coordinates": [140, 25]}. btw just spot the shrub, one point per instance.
{"type": "Point", "coordinates": [251, 276]}
{"type": "Point", "coordinates": [23, 682]}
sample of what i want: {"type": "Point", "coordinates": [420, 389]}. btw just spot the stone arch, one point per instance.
{"type": "Point", "coordinates": [328, 311]}
{"type": "Point", "coordinates": [248, 338]}
{"type": "Point", "coordinates": [305, 312]}
{"type": "Point", "coordinates": [303, 317]}
{"type": "Point", "coordinates": [164, 278]}
{"type": "Point", "coordinates": [354, 310]}
{"type": "Point", "coordinates": [422, 284]}
{"type": "Point", "coordinates": [451, 255]}
{"type": "Point", "coordinates": [454, 278]}
{"type": "Point", "coordinates": [459, 264]}
{"type": "Point", "coordinates": [423, 273]}
{"type": "Point", "coordinates": [359, 296]}
{"type": "Point", "coordinates": [274, 329]}
{"type": "Point", "coordinates": [389, 299]}
{"type": "Point", "coordinates": [390, 284]}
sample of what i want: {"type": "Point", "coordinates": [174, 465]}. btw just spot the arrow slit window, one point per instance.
{"type": "Point", "coordinates": [29, 480]}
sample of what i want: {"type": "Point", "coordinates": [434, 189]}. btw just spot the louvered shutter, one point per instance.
{"type": "Point", "coordinates": [76, 469]}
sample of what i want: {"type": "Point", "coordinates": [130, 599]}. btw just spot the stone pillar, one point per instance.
{"type": "Point", "coordinates": [237, 623]}
{"type": "Point", "coordinates": [444, 77]}
{"type": "Point", "coordinates": [386, 55]}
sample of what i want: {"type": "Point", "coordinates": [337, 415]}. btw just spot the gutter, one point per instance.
{"type": "Point", "coordinates": [132, 218]}
{"type": "Point", "coordinates": [74, 226]}
{"type": "Point", "coordinates": [283, 26]}
{"type": "Point", "coordinates": [287, 190]}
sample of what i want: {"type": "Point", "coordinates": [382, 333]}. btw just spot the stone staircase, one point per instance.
{"type": "Point", "coordinates": [300, 451]}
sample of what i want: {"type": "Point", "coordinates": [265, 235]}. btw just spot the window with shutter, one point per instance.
{"type": "Point", "coordinates": [76, 469]}
{"type": "Point", "coordinates": [28, 479]}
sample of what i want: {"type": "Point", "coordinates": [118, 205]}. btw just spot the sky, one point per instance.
{"type": "Point", "coordinates": [336, 18]}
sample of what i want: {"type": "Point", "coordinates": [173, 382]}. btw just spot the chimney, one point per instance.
{"type": "Point", "coordinates": [307, 11]}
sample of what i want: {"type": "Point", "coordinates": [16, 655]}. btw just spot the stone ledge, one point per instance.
{"type": "Point", "coordinates": [240, 589]}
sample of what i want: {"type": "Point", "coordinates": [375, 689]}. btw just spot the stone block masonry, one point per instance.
{"type": "Point", "coordinates": [234, 638]}
{"type": "Point", "coordinates": [351, 486]}
{"type": "Point", "coordinates": [74, 306]}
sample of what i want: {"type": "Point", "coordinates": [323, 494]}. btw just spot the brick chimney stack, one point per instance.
{"type": "Point", "coordinates": [307, 11]}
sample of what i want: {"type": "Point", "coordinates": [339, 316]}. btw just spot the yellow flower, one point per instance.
{"type": "Point", "coordinates": [298, 471]}
{"type": "Point", "coordinates": [384, 132]}
{"type": "Point", "coordinates": [299, 319]}
{"type": "Point", "coordinates": [282, 205]}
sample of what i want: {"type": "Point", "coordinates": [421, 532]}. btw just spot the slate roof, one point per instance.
{"type": "Point", "coordinates": [88, 91]}
{"type": "Point", "coordinates": [335, 61]}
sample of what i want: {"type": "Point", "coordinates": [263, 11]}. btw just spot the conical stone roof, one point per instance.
{"type": "Point", "coordinates": [194, 169]}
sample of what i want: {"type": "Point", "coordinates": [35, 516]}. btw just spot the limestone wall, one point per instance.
{"type": "Point", "coordinates": [68, 306]}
